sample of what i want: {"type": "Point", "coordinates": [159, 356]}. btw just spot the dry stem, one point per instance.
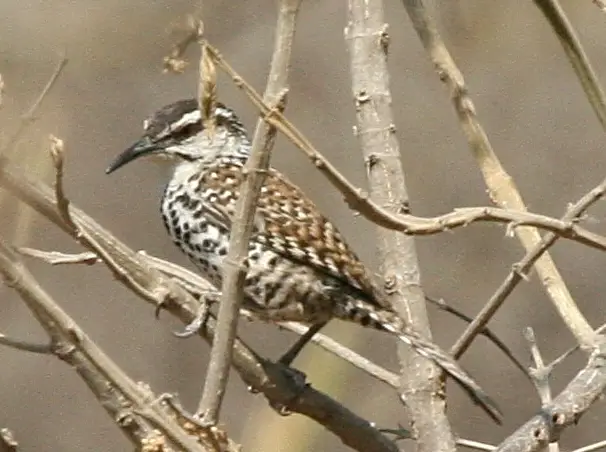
{"type": "Point", "coordinates": [243, 220]}
{"type": "Point", "coordinates": [501, 187]}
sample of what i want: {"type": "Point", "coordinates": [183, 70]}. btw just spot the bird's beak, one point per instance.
{"type": "Point", "coordinates": [144, 146]}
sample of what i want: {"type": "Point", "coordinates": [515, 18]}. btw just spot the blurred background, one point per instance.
{"type": "Point", "coordinates": [526, 95]}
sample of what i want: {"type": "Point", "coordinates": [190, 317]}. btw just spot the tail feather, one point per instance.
{"type": "Point", "coordinates": [429, 350]}
{"type": "Point", "coordinates": [364, 313]}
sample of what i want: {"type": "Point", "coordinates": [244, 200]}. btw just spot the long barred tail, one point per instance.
{"type": "Point", "coordinates": [371, 316]}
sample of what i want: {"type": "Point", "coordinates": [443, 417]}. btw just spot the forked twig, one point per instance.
{"type": "Point", "coordinates": [520, 269]}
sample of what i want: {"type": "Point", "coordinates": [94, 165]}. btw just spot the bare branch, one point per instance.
{"type": "Point", "coordinates": [474, 445]}
{"type": "Point", "coordinates": [359, 201]}
{"type": "Point", "coordinates": [520, 269]}
{"type": "Point", "coordinates": [565, 410]}
{"type": "Point", "coordinates": [367, 39]}
{"type": "Point", "coordinates": [501, 187]}
{"type": "Point", "coordinates": [270, 379]}
{"type": "Point", "coordinates": [243, 221]}
{"type": "Point", "coordinates": [596, 446]}
{"type": "Point", "coordinates": [105, 379]}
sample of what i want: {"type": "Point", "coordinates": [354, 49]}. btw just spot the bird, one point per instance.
{"type": "Point", "coordinates": [299, 267]}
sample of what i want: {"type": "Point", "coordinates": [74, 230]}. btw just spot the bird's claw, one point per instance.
{"type": "Point", "coordinates": [197, 323]}
{"type": "Point", "coordinates": [300, 384]}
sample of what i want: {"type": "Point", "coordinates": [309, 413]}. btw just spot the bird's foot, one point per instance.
{"type": "Point", "coordinates": [198, 322]}
{"type": "Point", "coordinates": [299, 384]}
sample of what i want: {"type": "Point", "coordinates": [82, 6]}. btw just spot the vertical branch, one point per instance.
{"type": "Point", "coordinates": [243, 221]}
{"type": "Point", "coordinates": [367, 37]}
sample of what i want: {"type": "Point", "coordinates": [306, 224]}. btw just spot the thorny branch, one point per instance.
{"type": "Point", "coordinates": [243, 221]}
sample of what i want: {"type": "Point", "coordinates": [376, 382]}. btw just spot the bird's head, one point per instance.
{"type": "Point", "coordinates": [176, 132]}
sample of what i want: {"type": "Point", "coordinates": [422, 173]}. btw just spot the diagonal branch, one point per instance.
{"type": "Point", "coordinates": [359, 201]}
{"type": "Point", "coordinates": [30, 115]}
{"type": "Point", "coordinates": [501, 187]}
{"type": "Point", "coordinates": [105, 379]}
{"type": "Point", "coordinates": [521, 269]}
{"type": "Point", "coordinates": [563, 29]}
{"type": "Point", "coordinates": [132, 269]}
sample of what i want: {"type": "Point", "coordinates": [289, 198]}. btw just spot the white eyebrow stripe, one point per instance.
{"type": "Point", "coordinates": [188, 118]}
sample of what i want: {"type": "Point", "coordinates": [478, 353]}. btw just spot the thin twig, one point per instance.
{"type": "Point", "coordinates": [59, 258]}
{"type": "Point", "coordinates": [564, 30]}
{"type": "Point", "coordinates": [243, 222]}
{"type": "Point", "coordinates": [57, 151]}
{"type": "Point", "coordinates": [571, 350]}
{"type": "Point", "coordinates": [565, 410]}
{"type": "Point", "coordinates": [1, 91]}
{"type": "Point", "coordinates": [474, 445]}
{"type": "Point", "coordinates": [18, 344]}
{"type": "Point", "coordinates": [409, 224]}
{"type": "Point", "coordinates": [540, 373]}
{"type": "Point", "coordinates": [207, 90]}
{"type": "Point", "coordinates": [601, 445]}
{"type": "Point", "coordinates": [72, 345]}
{"type": "Point", "coordinates": [29, 116]}
{"type": "Point", "coordinates": [441, 304]}
{"type": "Point", "coordinates": [520, 270]}
{"type": "Point", "coordinates": [348, 355]}
{"type": "Point", "coordinates": [540, 376]}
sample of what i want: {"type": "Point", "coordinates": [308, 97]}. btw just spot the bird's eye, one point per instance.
{"type": "Point", "coordinates": [188, 130]}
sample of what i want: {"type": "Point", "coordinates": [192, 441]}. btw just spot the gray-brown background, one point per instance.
{"type": "Point", "coordinates": [526, 95]}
